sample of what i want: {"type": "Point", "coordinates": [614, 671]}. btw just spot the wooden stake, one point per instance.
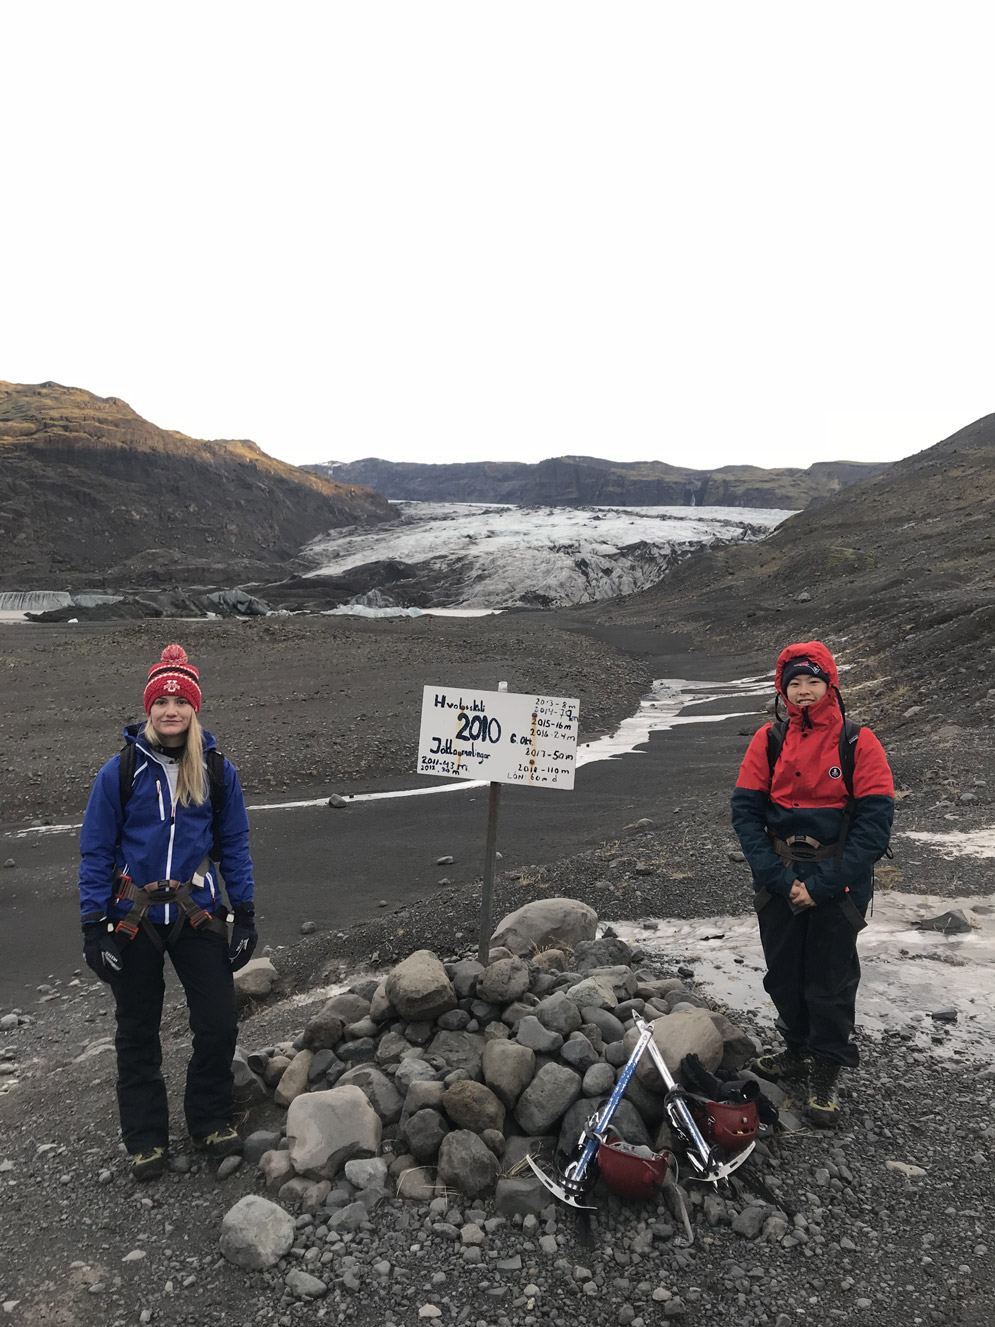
{"type": "Point", "coordinates": [490, 856]}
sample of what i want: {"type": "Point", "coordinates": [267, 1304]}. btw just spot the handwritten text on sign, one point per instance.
{"type": "Point", "coordinates": [498, 736]}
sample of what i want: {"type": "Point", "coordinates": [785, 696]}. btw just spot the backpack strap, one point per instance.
{"type": "Point", "coordinates": [776, 734]}
{"type": "Point", "coordinates": [848, 751]}
{"type": "Point", "coordinates": [215, 762]}
{"type": "Point", "coordinates": [126, 772]}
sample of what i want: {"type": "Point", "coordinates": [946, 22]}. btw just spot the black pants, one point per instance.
{"type": "Point", "coordinates": [201, 962]}
{"type": "Point", "coordinates": [813, 973]}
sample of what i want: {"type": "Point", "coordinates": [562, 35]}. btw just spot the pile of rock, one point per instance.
{"type": "Point", "coordinates": [441, 1078]}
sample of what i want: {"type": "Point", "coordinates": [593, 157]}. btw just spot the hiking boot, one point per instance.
{"type": "Point", "coordinates": [222, 1143]}
{"type": "Point", "coordinates": [148, 1165]}
{"type": "Point", "coordinates": [823, 1106]}
{"type": "Point", "coordinates": [789, 1063]}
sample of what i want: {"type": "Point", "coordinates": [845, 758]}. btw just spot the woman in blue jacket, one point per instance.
{"type": "Point", "coordinates": [158, 813]}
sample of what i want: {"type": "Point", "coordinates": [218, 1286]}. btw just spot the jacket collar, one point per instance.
{"type": "Point", "coordinates": [825, 713]}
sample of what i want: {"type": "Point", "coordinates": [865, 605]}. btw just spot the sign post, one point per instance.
{"type": "Point", "coordinates": [504, 738]}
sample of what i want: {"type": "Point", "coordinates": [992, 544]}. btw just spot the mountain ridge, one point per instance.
{"type": "Point", "coordinates": [89, 490]}
{"type": "Point", "coordinates": [585, 481]}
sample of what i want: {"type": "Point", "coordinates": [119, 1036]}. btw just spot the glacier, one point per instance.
{"type": "Point", "coordinates": [482, 555]}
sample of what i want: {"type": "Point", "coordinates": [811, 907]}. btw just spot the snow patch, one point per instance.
{"type": "Point", "coordinates": [957, 842]}
{"type": "Point", "coordinates": [907, 974]}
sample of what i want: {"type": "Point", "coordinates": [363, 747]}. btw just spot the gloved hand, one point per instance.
{"type": "Point", "coordinates": [100, 951]}
{"type": "Point", "coordinates": [244, 936]}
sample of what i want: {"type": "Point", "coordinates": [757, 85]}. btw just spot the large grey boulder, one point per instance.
{"type": "Point", "coordinates": [503, 981]}
{"type": "Point", "coordinates": [324, 1031]}
{"type": "Point", "coordinates": [550, 961]}
{"type": "Point", "coordinates": [467, 1164]}
{"type": "Point", "coordinates": [608, 1025]}
{"type": "Point", "coordinates": [255, 981]}
{"type": "Point", "coordinates": [621, 979]}
{"type": "Point", "coordinates": [423, 1132]}
{"type": "Point", "coordinates": [608, 952]}
{"type": "Point", "coordinates": [626, 1120]}
{"type": "Point", "coordinates": [256, 1233]}
{"type": "Point", "coordinates": [392, 1047]}
{"type": "Point", "coordinates": [277, 1168]}
{"type": "Point", "coordinates": [247, 1086]}
{"type": "Point", "coordinates": [304, 1285]}
{"type": "Point", "coordinates": [349, 1006]}
{"type": "Point", "coordinates": [579, 1054]}
{"type": "Point", "coordinates": [559, 1014]}
{"type": "Point", "coordinates": [598, 1080]}
{"type": "Point", "coordinates": [531, 1033]}
{"type": "Point", "coordinates": [421, 1094]}
{"type": "Point", "coordinates": [473, 1106]}
{"type": "Point", "coordinates": [551, 1093]}
{"type": "Point", "coordinates": [327, 1129]}
{"type": "Point", "coordinates": [381, 1093]}
{"type": "Point", "coordinates": [459, 1050]}
{"type": "Point", "coordinates": [465, 976]}
{"type": "Point", "coordinates": [522, 1196]}
{"type": "Point", "coordinates": [508, 1069]}
{"type": "Point", "coordinates": [294, 1079]}
{"type": "Point", "coordinates": [412, 1069]}
{"type": "Point", "coordinates": [367, 1172]}
{"type": "Point", "coordinates": [685, 1032]}
{"type": "Point", "coordinates": [738, 1048]}
{"type": "Point", "coordinates": [544, 923]}
{"type": "Point", "coordinates": [598, 992]}
{"type": "Point", "coordinates": [417, 1183]}
{"type": "Point", "coordinates": [380, 1007]}
{"type": "Point", "coordinates": [418, 987]}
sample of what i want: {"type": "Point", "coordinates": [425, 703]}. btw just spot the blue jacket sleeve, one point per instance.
{"type": "Point", "coordinates": [865, 843]}
{"type": "Point", "coordinates": [236, 864]}
{"type": "Point", "coordinates": [749, 820]}
{"type": "Point", "coordinates": [98, 841]}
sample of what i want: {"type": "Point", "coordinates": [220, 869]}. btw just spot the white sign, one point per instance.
{"type": "Point", "coordinates": [498, 736]}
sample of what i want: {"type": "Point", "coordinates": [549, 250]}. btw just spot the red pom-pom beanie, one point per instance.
{"type": "Point", "coordinates": [173, 675]}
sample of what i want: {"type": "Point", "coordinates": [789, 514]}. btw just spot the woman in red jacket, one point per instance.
{"type": "Point", "coordinates": [812, 847]}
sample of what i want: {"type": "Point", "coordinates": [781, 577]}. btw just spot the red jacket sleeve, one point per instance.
{"type": "Point", "coordinates": [871, 772]}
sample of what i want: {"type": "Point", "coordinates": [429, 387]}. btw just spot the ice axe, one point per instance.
{"type": "Point", "coordinates": [578, 1172]}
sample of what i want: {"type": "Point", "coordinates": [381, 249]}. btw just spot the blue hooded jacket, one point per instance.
{"type": "Point", "coordinates": [151, 839]}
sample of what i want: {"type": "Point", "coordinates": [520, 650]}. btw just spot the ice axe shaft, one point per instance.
{"type": "Point", "coordinates": [577, 1177]}
{"type": "Point", "coordinates": [711, 1163]}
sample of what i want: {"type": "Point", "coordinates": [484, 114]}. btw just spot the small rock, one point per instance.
{"type": "Point", "coordinates": [308, 928]}
{"type": "Point", "coordinates": [954, 922]}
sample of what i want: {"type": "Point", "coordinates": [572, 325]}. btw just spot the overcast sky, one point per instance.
{"type": "Point", "coordinates": [705, 234]}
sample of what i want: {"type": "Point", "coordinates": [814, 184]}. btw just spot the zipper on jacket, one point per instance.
{"type": "Point", "coordinates": [169, 860]}
{"type": "Point", "coordinates": [158, 793]}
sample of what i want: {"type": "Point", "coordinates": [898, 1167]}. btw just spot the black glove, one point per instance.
{"type": "Point", "coordinates": [100, 950]}
{"type": "Point", "coordinates": [244, 936]}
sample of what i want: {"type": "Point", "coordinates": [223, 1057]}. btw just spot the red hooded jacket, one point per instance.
{"type": "Point", "coordinates": [807, 794]}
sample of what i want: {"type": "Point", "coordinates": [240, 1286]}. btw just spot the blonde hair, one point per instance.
{"type": "Point", "coordinates": [191, 781]}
